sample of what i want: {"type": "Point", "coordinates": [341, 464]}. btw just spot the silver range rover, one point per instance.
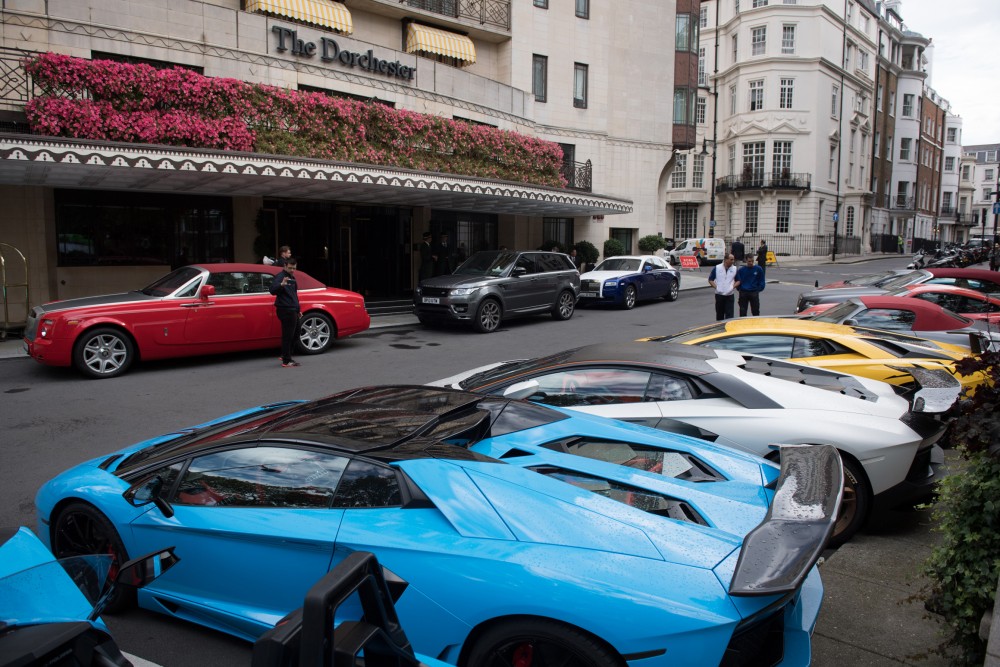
{"type": "Point", "coordinates": [495, 285]}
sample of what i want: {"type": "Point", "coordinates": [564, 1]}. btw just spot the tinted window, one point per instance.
{"type": "Point", "coordinates": [967, 305]}
{"type": "Point", "coordinates": [591, 387]}
{"type": "Point", "coordinates": [550, 261]}
{"type": "Point", "coordinates": [526, 262]}
{"type": "Point", "coordinates": [970, 283]}
{"type": "Point", "coordinates": [886, 318]}
{"type": "Point", "coordinates": [659, 262]}
{"type": "Point", "coordinates": [814, 347]}
{"type": "Point", "coordinates": [366, 484]}
{"type": "Point", "coordinates": [949, 301]}
{"type": "Point", "coordinates": [668, 388]}
{"type": "Point", "coordinates": [767, 345]}
{"type": "Point", "coordinates": [230, 282]}
{"type": "Point", "coordinates": [262, 477]}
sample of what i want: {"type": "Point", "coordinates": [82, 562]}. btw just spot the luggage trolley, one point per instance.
{"type": "Point", "coordinates": [7, 266]}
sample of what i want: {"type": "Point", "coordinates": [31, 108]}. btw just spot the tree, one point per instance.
{"type": "Point", "coordinates": [613, 248]}
{"type": "Point", "coordinates": [650, 244]}
{"type": "Point", "coordinates": [586, 252]}
{"type": "Point", "coordinates": [964, 567]}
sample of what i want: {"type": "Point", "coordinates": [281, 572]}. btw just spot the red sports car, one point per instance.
{"type": "Point", "coordinates": [966, 302]}
{"type": "Point", "coordinates": [908, 315]}
{"type": "Point", "coordinates": [199, 309]}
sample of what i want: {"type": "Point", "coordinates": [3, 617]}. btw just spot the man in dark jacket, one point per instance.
{"type": "Point", "coordinates": [762, 256]}
{"type": "Point", "coordinates": [286, 304]}
{"type": "Point", "coordinates": [739, 252]}
{"type": "Point", "coordinates": [284, 254]}
{"type": "Point", "coordinates": [427, 257]}
{"type": "Point", "coordinates": [443, 262]}
{"type": "Point", "coordinates": [751, 284]}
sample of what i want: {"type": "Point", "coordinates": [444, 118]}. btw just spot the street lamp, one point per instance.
{"type": "Point", "coordinates": [711, 211]}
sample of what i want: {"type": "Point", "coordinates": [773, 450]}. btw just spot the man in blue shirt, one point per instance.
{"type": "Point", "coordinates": [750, 279]}
{"type": "Point", "coordinates": [286, 305]}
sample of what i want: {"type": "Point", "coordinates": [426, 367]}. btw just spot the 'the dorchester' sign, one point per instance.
{"type": "Point", "coordinates": [330, 51]}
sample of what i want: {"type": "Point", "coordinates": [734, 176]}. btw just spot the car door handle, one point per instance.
{"type": "Point", "coordinates": [195, 305]}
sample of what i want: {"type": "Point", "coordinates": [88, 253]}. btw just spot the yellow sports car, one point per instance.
{"type": "Point", "coordinates": [871, 353]}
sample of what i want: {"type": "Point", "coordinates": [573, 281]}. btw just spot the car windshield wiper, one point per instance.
{"type": "Point", "coordinates": [497, 372]}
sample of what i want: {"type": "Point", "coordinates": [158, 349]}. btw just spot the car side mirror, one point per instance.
{"type": "Point", "coordinates": [148, 491]}
{"type": "Point", "coordinates": [850, 322]}
{"type": "Point", "coordinates": [207, 291]}
{"type": "Point", "coordinates": [519, 271]}
{"type": "Point", "coordinates": [521, 389]}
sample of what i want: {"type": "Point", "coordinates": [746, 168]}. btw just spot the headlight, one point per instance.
{"type": "Point", "coordinates": [463, 291]}
{"type": "Point", "coordinates": [611, 283]}
{"type": "Point", "coordinates": [419, 290]}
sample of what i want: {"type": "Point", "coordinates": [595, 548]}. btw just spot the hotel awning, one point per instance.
{"type": "Point", "coordinates": [432, 40]}
{"type": "Point", "coordinates": [324, 13]}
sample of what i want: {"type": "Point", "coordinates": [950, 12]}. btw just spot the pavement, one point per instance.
{"type": "Point", "coordinates": [872, 615]}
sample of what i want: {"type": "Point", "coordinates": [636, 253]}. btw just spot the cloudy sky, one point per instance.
{"type": "Point", "coordinates": [966, 66]}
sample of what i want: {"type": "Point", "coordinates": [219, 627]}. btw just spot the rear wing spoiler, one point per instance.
{"type": "Point", "coordinates": [778, 554]}
{"type": "Point", "coordinates": [938, 389]}
{"type": "Point", "coordinates": [984, 341]}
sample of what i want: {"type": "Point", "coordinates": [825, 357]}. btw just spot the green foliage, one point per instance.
{"type": "Point", "coordinates": [964, 567]}
{"type": "Point", "coordinates": [586, 252]}
{"type": "Point", "coordinates": [652, 243]}
{"type": "Point", "coordinates": [613, 248]}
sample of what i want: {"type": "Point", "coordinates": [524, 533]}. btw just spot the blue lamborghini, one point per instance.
{"type": "Point", "coordinates": [511, 533]}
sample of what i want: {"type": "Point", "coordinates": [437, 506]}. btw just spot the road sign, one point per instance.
{"type": "Point", "coordinates": [996, 208]}
{"type": "Point", "coordinates": [711, 223]}
{"type": "Point", "coordinates": [836, 216]}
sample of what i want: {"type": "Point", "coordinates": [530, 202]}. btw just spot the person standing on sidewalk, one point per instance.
{"type": "Point", "coordinates": [762, 256]}
{"type": "Point", "coordinates": [286, 305]}
{"type": "Point", "coordinates": [750, 279]}
{"type": "Point", "coordinates": [738, 250]}
{"type": "Point", "coordinates": [723, 279]}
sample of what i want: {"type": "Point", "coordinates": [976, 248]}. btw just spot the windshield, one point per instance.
{"type": "Point", "coordinates": [511, 368]}
{"type": "Point", "coordinates": [619, 264]}
{"type": "Point", "coordinates": [835, 314]}
{"type": "Point", "coordinates": [171, 282]}
{"type": "Point", "coordinates": [899, 281]}
{"type": "Point", "coordinates": [493, 264]}
{"type": "Point", "coordinates": [56, 590]}
{"type": "Point", "coordinates": [871, 279]}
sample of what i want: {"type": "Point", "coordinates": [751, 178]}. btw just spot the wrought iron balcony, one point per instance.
{"type": "Point", "coordinates": [578, 175]}
{"type": "Point", "coordinates": [486, 12]}
{"type": "Point", "coordinates": [947, 211]}
{"type": "Point", "coordinates": [902, 202]}
{"type": "Point", "coordinates": [783, 180]}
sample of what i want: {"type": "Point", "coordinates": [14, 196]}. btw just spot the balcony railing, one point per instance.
{"type": "Point", "coordinates": [486, 12]}
{"type": "Point", "coordinates": [902, 202]}
{"type": "Point", "coordinates": [578, 175]}
{"type": "Point", "coordinates": [947, 211]}
{"type": "Point", "coordinates": [764, 181]}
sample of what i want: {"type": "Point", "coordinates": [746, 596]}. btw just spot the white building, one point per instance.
{"type": "Point", "coordinates": [596, 77]}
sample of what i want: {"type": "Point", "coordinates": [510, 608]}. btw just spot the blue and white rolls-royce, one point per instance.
{"type": "Point", "coordinates": [626, 279]}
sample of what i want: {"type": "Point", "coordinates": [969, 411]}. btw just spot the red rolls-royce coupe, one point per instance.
{"type": "Point", "coordinates": [193, 310]}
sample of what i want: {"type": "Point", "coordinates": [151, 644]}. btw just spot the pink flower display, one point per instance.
{"type": "Point", "coordinates": [103, 99]}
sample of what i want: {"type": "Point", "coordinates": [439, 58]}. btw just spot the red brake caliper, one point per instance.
{"type": "Point", "coordinates": [522, 655]}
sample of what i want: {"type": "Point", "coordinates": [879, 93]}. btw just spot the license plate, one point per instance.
{"type": "Point", "coordinates": [431, 299]}
{"type": "Point", "coordinates": [590, 295]}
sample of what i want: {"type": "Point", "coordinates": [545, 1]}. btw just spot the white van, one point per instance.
{"type": "Point", "coordinates": [708, 250]}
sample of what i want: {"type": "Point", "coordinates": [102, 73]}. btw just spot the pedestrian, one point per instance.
{"type": "Point", "coordinates": [443, 261]}
{"type": "Point", "coordinates": [574, 258]}
{"type": "Point", "coordinates": [286, 305]}
{"type": "Point", "coordinates": [723, 279]}
{"type": "Point", "coordinates": [427, 257]}
{"type": "Point", "coordinates": [762, 256]}
{"type": "Point", "coordinates": [739, 252]}
{"type": "Point", "coordinates": [284, 254]}
{"type": "Point", "coordinates": [995, 257]}
{"type": "Point", "coordinates": [750, 279]}
{"type": "Point", "coordinates": [899, 242]}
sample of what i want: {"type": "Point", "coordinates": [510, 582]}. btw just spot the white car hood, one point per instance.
{"type": "Point", "coordinates": [601, 276]}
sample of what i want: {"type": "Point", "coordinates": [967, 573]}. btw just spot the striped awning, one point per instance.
{"type": "Point", "coordinates": [326, 13]}
{"type": "Point", "coordinates": [432, 40]}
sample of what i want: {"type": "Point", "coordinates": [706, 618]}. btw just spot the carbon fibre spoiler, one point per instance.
{"type": "Point", "coordinates": [778, 554]}
{"type": "Point", "coordinates": [938, 389]}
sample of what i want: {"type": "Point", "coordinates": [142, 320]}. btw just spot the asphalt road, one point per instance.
{"type": "Point", "coordinates": [51, 419]}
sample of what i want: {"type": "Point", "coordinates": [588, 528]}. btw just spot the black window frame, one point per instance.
{"type": "Point", "coordinates": [540, 77]}
{"type": "Point", "coordinates": [578, 102]}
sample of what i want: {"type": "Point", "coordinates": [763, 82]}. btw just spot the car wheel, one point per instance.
{"type": "Point", "coordinates": [81, 530]}
{"type": "Point", "coordinates": [539, 642]}
{"type": "Point", "coordinates": [854, 504]}
{"type": "Point", "coordinates": [103, 353]}
{"type": "Point", "coordinates": [488, 316]}
{"type": "Point", "coordinates": [628, 301]}
{"type": "Point", "coordinates": [673, 292]}
{"type": "Point", "coordinates": [565, 305]}
{"type": "Point", "coordinates": [316, 333]}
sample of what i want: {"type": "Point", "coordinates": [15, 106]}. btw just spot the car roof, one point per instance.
{"type": "Point", "coordinates": [978, 274]}
{"type": "Point", "coordinates": [688, 358]}
{"type": "Point", "coordinates": [926, 311]}
{"type": "Point", "coordinates": [388, 423]}
{"type": "Point", "coordinates": [920, 288]}
{"type": "Point", "coordinates": [787, 324]}
{"type": "Point", "coordinates": [304, 280]}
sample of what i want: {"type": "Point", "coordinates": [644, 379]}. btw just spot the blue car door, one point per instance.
{"type": "Point", "coordinates": [254, 528]}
